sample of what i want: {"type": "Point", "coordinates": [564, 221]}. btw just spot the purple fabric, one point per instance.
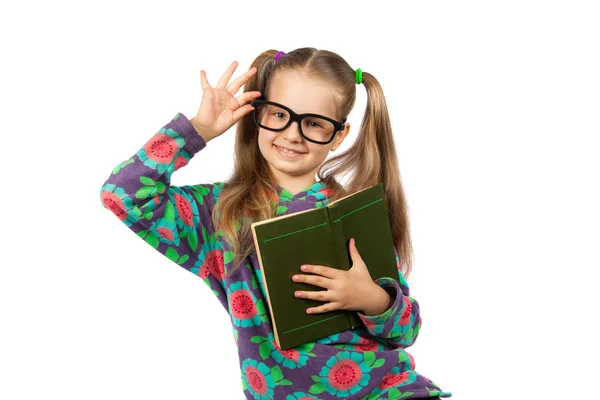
{"type": "Point", "coordinates": [369, 362]}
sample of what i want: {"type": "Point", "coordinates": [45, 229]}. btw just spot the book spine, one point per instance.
{"type": "Point", "coordinates": [342, 252]}
{"type": "Point", "coordinates": [337, 236]}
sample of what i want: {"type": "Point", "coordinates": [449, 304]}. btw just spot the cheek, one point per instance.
{"type": "Point", "coordinates": [265, 142]}
{"type": "Point", "coordinates": [266, 137]}
{"type": "Point", "coordinates": [320, 154]}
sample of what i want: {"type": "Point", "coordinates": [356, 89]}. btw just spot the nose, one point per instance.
{"type": "Point", "coordinates": [293, 131]}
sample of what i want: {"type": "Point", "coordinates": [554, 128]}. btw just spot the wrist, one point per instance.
{"type": "Point", "coordinates": [382, 301]}
{"type": "Point", "coordinates": [199, 130]}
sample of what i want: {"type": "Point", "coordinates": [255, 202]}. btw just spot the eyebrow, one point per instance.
{"type": "Point", "coordinates": [323, 115]}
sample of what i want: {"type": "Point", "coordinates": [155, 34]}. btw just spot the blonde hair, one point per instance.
{"type": "Point", "coordinates": [250, 194]}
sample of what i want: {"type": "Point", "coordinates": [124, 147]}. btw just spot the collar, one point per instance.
{"type": "Point", "coordinates": [317, 192]}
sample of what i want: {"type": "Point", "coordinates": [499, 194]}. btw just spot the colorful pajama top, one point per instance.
{"type": "Point", "coordinates": [368, 362]}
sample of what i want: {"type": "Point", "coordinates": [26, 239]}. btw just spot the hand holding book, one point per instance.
{"type": "Point", "coordinates": [352, 290]}
{"type": "Point", "coordinates": [320, 237]}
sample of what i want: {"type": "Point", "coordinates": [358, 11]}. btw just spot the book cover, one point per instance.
{"type": "Point", "coordinates": [320, 236]}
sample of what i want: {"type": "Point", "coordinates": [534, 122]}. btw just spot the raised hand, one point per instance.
{"type": "Point", "coordinates": [219, 109]}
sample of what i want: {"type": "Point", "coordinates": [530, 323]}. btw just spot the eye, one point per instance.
{"type": "Point", "coordinates": [278, 113]}
{"type": "Point", "coordinates": [313, 122]}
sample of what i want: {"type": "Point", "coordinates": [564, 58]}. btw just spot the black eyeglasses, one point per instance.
{"type": "Point", "coordinates": [277, 117]}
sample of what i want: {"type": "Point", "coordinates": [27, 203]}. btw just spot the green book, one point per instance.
{"type": "Point", "coordinates": [321, 236]}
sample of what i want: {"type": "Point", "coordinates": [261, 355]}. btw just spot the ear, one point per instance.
{"type": "Point", "coordinates": [340, 136]}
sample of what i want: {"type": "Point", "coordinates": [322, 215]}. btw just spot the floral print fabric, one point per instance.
{"type": "Point", "coordinates": [368, 362]}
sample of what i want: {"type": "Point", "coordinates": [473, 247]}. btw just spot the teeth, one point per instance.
{"type": "Point", "coordinates": [288, 151]}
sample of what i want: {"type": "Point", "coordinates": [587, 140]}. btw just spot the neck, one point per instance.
{"type": "Point", "coordinates": [294, 183]}
{"type": "Point", "coordinates": [296, 186]}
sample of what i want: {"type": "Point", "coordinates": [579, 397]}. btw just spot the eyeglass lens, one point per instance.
{"type": "Point", "coordinates": [314, 128]}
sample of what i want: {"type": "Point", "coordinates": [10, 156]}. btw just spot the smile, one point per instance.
{"type": "Point", "coordinates": [287, 153]}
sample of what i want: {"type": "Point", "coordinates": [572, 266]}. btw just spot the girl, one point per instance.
{"type": "Point", "coordinates": [205, 228]}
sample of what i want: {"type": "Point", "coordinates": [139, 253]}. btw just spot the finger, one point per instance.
{"type": "Point", "coordinates": [315, 280]}
{"type": "Point", "coordinates": [240, 112]}
{"type": "Point", "coordinates": [227, 75]}
{"type": "Point", "coordinates": [237, 84]}
{"type": "Point", "coordinates": [324, 308]}
{"type": "Point", "coordinates": [204, 81]}
{"type": "Point", "coordinates": [246, 97]}
{"type": "Point", "coordinates": [327, 272]}
{"type": "Point", "coordinates": [321, 295]}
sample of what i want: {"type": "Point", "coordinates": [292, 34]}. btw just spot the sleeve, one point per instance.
{"type": "Point", "coordinates": [400, 324]}
{"type": "Point", "coordinates": [176, 221]}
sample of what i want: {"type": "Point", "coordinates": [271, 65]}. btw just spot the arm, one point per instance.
{"type": "Point", "coordinates": [400, 324]}
{"type": "Point", "coordinates": [176, 221]}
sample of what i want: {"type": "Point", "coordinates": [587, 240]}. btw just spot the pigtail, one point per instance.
{"type": "Point", "coordinates": [376, 130]}
{"type": "Point", "coordinates": [372, 159]}
{"type": "Point", "coordinates": [244, 195]}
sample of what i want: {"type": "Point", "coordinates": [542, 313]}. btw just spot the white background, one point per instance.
{"type": "Point", "coordinates": [495, 109]}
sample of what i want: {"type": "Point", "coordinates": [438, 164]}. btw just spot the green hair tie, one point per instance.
{"type": "Point", "coordinates": [359, 76]}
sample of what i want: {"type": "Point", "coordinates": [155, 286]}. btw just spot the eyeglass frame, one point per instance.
{"type": "Point", "coordinates": [337, 126]}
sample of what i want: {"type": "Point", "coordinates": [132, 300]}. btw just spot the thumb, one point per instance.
{"type": "Point", "coordinates": [358, 265]}
{"type": "Point", "coordinates": [354, 251]}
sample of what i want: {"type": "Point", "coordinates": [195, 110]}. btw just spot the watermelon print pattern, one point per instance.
{"type": "Point", "coordinates": [368, 362]}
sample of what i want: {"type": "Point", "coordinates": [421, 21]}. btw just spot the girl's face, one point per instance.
{"type": "Point", "coordinates": [302, 95]}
